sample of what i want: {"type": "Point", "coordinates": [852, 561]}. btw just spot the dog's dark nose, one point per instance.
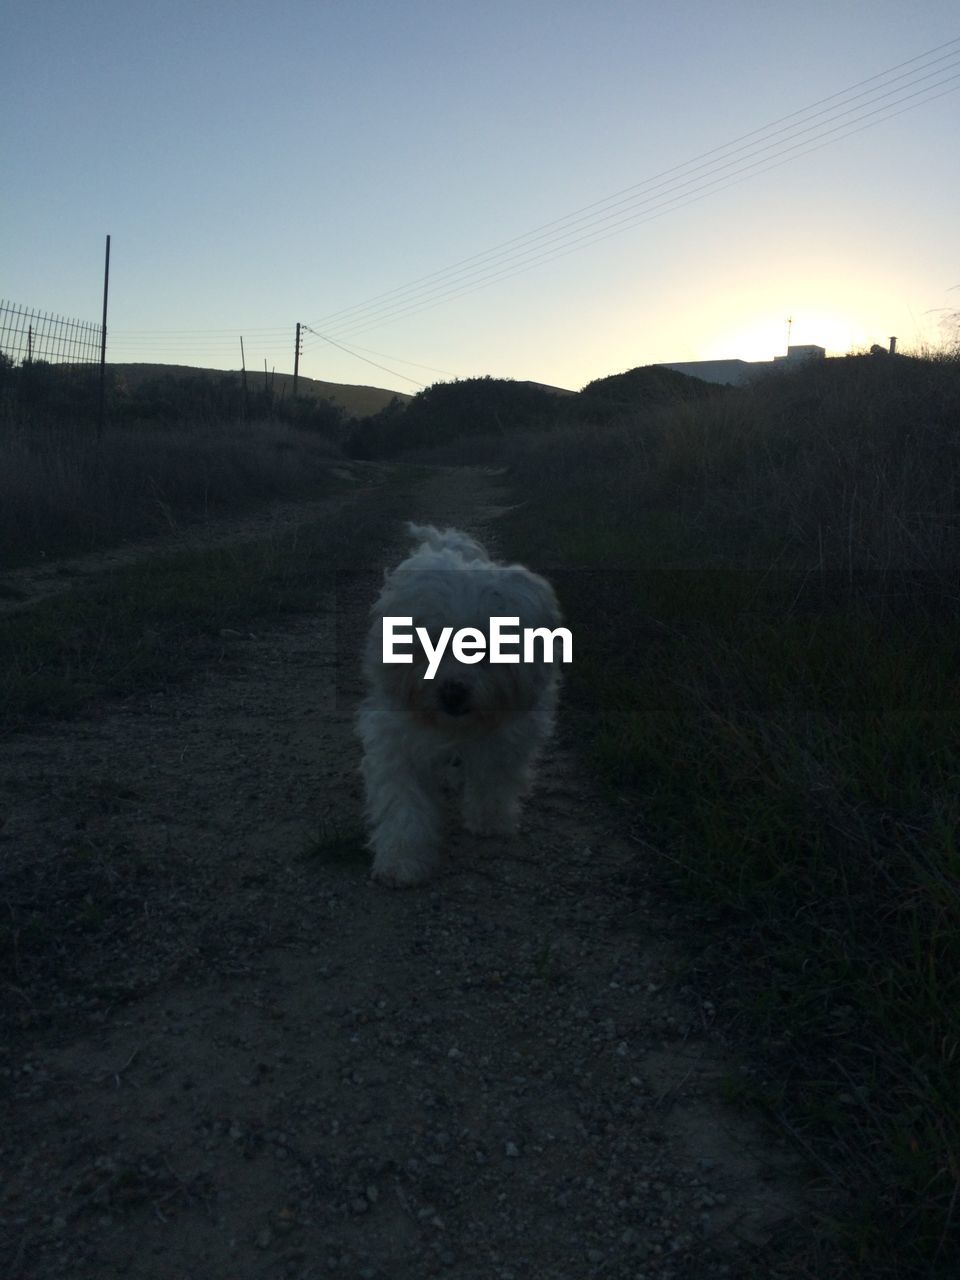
{"type": "Point", "coordinates": [454, 697]}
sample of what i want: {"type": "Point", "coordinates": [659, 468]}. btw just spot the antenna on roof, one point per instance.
{"type": "Point", "coordinates": [789, 330]}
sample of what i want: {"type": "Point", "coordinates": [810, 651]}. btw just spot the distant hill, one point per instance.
{"type": "Point", "coordinates": [360, 402]}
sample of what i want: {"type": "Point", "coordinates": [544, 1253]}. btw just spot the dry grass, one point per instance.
{"type": "Point", "coordinates": [764, 594]}
{"type": "Point", "coordinates": [62, 490]}
{"type": "Point", "coordinates": [844, 469]}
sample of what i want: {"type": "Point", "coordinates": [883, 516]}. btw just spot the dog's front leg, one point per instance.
{"type": "Point", "coordinates": [404, 818]}
{"type": "Point", "coordinates": [496, 775]}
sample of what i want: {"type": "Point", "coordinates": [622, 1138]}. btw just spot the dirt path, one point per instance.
{"type": "Point", "coordinates": [249, 1062]}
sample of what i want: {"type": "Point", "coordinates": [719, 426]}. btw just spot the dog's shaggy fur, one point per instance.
{"type": "Point", "coordinates": [490, 718]}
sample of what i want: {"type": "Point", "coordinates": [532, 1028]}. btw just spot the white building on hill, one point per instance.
{"type": "Point", "coordinates": [735, 373]}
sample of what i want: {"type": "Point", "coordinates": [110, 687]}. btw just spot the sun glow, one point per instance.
{"type": "Point", "coordinates": [765, 338]}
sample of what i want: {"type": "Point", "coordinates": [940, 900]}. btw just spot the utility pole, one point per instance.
{"type": "Point", "coordinates": [296, 360]}
{"type": "Point", "coordinates": [103, 344]}
{"type": "Point", "coordinates": [243, 378]}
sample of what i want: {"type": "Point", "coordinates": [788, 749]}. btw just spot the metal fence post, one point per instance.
{"type": "Point", "coordinates": [103, 345]}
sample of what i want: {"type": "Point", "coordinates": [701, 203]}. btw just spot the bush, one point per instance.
{"type": "Point", "coordinates": [449, 410]}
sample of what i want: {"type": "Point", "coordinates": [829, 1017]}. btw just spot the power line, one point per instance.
{"type": "Point", "coordinates": [191, 343]}
{"type": "Point", "coordinates": [676, 194]}
{"type": "Point", "coordinates": [567, 245]}
{"type": "Point", "coordinates": [627, 207]}
{"type": "Point", "coordinates": [174, 341]}
{"type": "Point", "coordinates": [674, 188]}
{"type": "Point", "coordinates": [234, 332]}
{"type": "Point", "coordinates": [396, 359]}
{"type": "Point", "coordinates": [393, 373]}
{"type": "Point", "coordinates": [197, 343]}
{"type": "Point", "coordinates": [713, 151]}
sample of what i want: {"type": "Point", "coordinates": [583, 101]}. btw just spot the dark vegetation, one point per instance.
{"type": "Point", "coordinates": [175, 448]}
{"type": "Point", "coordinates": [448, 410]}
{"type": "Point", "coordinates": [48, 393]}
{"type": "Point", "coordinates": [638, 389]}
{"type": "Point", "coordinates": [764, 587]}
{"type": "Point", "coordinates": [186, 444]}
{"type": "Point", "coordinates": [500, 408]}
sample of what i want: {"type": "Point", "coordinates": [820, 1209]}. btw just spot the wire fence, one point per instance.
{"type": "Point", "coordinates": [33, 337]}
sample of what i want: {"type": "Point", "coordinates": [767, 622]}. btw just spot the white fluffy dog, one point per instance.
{"type": "Point", "coordinates": [490, 718]}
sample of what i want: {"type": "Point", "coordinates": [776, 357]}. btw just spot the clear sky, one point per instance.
{"type": "Point", "coordinates": [258, 165]}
